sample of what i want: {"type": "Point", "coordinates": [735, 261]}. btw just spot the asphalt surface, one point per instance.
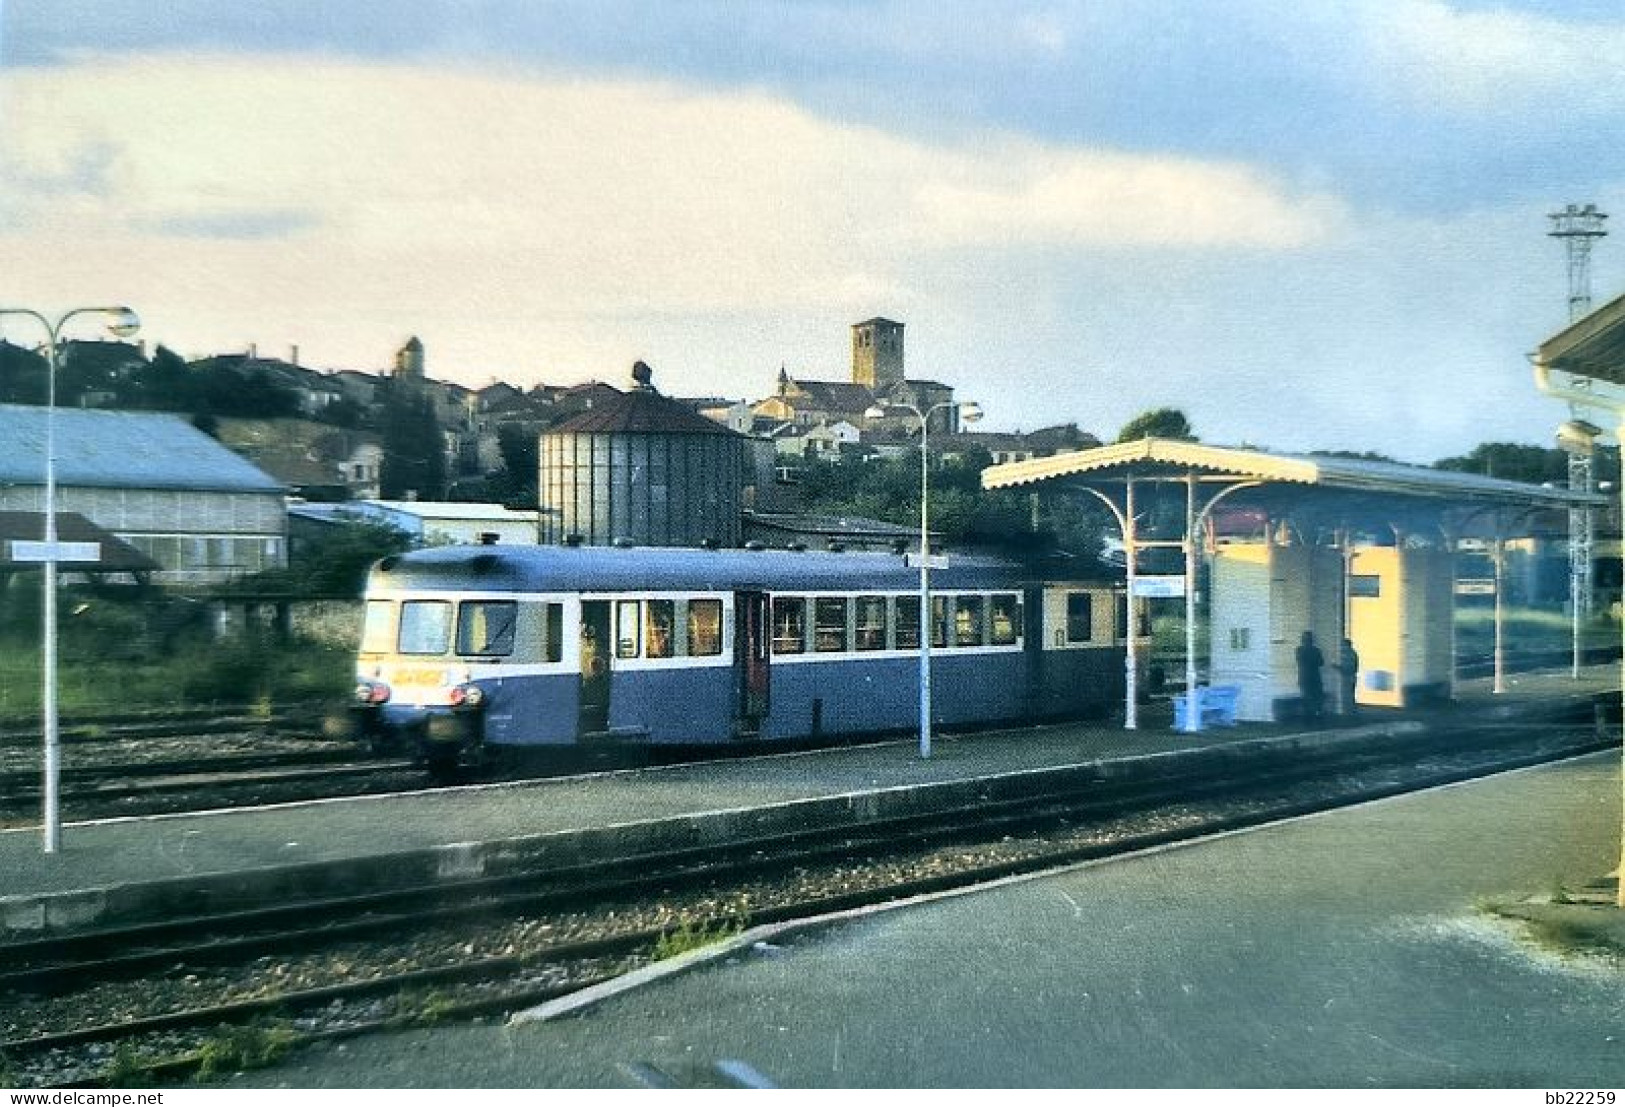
{"type": "Point", "coordinates": [1342, 950]}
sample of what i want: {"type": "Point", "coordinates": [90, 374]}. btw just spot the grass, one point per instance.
{"type": "Point", "coordinates": [688, 937]}
{"type": "Point", "coordinates": [240, 1048]}
{"type": "Point", "coordinates": [259, 674]}
{"type": "Point", "coordinates": [1528, 629]}
{"type": "Point", "coordinates": [427, 1008]}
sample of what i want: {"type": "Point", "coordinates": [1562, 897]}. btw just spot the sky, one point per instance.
{"type": "Point", "coordinates": [1308, 226]}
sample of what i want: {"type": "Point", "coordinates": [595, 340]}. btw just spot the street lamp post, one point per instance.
{"type": "Point", "coordinates": [123, 323]}
{"type": "Point", "coordinates": [968, 413]}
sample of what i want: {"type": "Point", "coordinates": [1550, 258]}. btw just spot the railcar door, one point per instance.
{"type": "Point", "coordinates": [752, 651]}
{"type": "Point", "coordinates": [595, 646]}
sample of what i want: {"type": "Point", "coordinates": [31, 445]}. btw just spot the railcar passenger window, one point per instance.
{"type": "Point", "coordinates": [378, 630]}
{"type": "Point", "coordinates": [907, 609]}
{"type": "Point", "coordinates": [968, 621]}
{"type": "Point", "coordinates": [704, 628]}
{"type": "Point", "coordinates": [659, 638]}
{"type": "Point", "coordinates": [1006, 612]}
{"type": "Point", "coordinates": [1080, 617]}
{"type": "Point", "coordinates": [871, 623]}
{"type": "Point", "coordinates": [829, 624]}
{"type": "Point", "coordinates": [485, 627]}
{"type": "Point", "coordinates": [553, 646]}
{"type": "Point", "coordinates": [626, 628]}
{"type": "Point", "coordinates": [425, 626]}
{"type": "Point", "coordinates": [789, 624]}
{"type": "Point", "coordinates": [939, 622]}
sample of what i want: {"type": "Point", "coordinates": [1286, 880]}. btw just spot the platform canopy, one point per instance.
{"type": "Point", "coordinates": [1311, 488]}
{"type": "Point", "coordinates": [1592, 347]}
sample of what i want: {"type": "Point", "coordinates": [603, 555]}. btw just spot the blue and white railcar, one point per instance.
{"type": "Point", "coordinates": [491, 646]}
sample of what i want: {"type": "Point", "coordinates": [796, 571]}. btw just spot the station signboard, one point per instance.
{"type": "Point", "coordinates": [75, 552]}
{"type": "Point", "coordinates": [1161, 587]}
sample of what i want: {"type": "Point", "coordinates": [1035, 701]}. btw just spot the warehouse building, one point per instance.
{"type": "Point", "coordinates": [202, 513]}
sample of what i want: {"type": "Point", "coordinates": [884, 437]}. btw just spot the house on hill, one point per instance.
{"type": "Point", "coordinates": [316, 461]}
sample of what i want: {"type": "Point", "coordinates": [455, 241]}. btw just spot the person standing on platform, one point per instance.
{"type": "Point", "coordinates": [1310, 688]}
{"type": "Point", "coordinates": [1348, 675]}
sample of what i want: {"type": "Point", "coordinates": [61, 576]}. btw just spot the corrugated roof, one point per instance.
{"type": "Point", "coordinates": [113, 449]}
{"type": "Point", "coordinates": [1349, 474]}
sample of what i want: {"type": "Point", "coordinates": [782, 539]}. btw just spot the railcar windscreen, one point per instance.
{"type": "Point", "coordinates": [425, 627]}
{"type": "Point", "coordinates": [377, 631]}
{"type": "Point", "coordinates": [485, 628]}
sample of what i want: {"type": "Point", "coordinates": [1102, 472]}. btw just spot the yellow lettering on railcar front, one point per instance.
{"type": "Point", "coordinates": [419, 678]}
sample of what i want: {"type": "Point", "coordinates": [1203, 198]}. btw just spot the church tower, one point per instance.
{"type": "Point", "coordinates": [409, 362]}
{"type": "Point", "coordinates": [877, 354]}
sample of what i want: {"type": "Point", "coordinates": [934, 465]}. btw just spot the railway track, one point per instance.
{"type": "Point", "coordinates": [190, 760]}
{"type": "Point", "coordinates": [210, 782]}
{"type": "Point", "coordinates": [345, 966]}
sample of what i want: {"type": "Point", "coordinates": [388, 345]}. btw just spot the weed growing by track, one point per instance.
{"type": "Point", "coordinates": [689, 936]}
{"type": "Point", "coordinates": [240, 1048]}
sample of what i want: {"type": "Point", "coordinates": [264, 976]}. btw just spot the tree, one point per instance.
{"type": "Point", "coordinates": [1512, 461]}
{"type": "Point", "coordinates": [520, 446]}
{"type": "Point", "coordinates": [1162, 422]}
{"type": "Point", "coordinates": [414, 451]}
{"type": "Point", "coordinates": [331, 563]}
{"type": "Point", "coordinates": [22, 375]}
{"type": "Point", "coordinates": [165, 383]}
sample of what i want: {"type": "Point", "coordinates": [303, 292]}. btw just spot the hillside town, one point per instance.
{"type": "Point", "coordinates": [435, 459]}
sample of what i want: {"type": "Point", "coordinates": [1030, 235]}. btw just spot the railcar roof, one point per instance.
{"type": "Point", "coordinates": [594, 569]}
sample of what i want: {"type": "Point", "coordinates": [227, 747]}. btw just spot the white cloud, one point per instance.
{"type": "Point", "coordinates": [319, 198]}
{"type": "Point", "coordinates": [1116, 200]}
{"type": "Point", "coordinates": [1456, 60]}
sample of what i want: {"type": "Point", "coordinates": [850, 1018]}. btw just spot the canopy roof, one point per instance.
{"type": "Point", "coordinates": [1592, 346]}
{"type": "Point", "coordinates": [1165, 458]}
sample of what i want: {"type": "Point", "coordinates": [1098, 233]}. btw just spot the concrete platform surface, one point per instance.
{"type": "Point", "coordinates": [1346, 949]}
{"type": "Point", "coordinates": [133, 869]}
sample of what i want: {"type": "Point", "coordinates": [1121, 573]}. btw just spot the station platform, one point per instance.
{"type": "Point", "coordinates": [125, 871]}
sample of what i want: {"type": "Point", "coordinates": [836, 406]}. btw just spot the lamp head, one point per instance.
{"type": "Point", "coordinates": [970, 412]}
{"type": "Point", "coordinates": [123, 322]}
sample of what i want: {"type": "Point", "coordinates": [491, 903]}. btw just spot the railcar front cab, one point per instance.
{"type": "Point", "coordinates": [432, 665]}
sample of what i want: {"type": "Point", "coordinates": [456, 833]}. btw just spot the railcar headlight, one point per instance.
{"type": "Point", "coordinates": [371, 693]}
{"type": "Point", "coordinates": [467, 696]}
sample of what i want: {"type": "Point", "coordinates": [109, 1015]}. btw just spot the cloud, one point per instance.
{"type": "Point", "coordinates": [1445, 58]}
{"type": "Point", "coordinates": [396, 189]}
{"type": "Point", "coordinates": [271, 223]}
{"type": "Point", "coordinates": [1102, 199]}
